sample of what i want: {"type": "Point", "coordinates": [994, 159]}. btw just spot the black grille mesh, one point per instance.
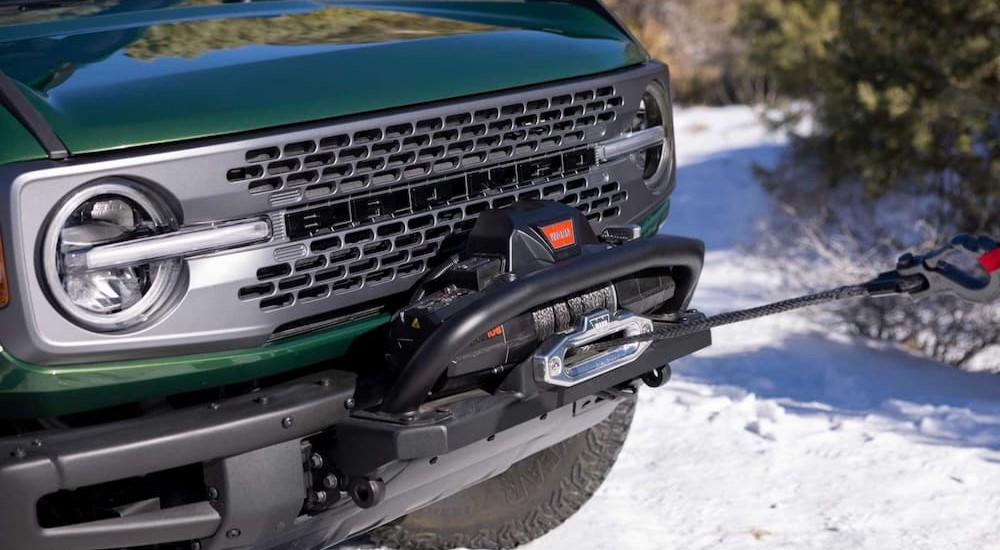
{"type": "Point", "coordinates": [367, 159]}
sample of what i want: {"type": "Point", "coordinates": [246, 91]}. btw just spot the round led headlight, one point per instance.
{"type": "Point", "coordinates": [109, 298]}
{"type": "Point", "coordinates": [654, 160]}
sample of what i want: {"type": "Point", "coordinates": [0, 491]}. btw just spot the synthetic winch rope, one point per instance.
{"type": "Point", "coordinates": [666, 331]}
{"type": "Point", "coordinates": [915, 275]}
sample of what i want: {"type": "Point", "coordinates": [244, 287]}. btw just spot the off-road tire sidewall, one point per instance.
{"type": "Point", "coordinates": [530, 499]}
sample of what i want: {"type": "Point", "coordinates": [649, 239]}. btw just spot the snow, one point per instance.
{"type": "Point", "coordinates": [782, 435]}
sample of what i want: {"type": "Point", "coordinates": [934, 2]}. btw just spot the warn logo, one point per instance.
{"type": "Point", "coordinates": [560, 234]}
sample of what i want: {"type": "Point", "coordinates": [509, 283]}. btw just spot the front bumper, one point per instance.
{"type": "Point", "coordinates": [249, 450]}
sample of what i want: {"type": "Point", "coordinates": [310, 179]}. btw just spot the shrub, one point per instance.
{"type": "Point", "coordinates": [905, 93]}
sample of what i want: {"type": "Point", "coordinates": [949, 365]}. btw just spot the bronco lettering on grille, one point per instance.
{"type": "Point", "coordinates": [360, 210]}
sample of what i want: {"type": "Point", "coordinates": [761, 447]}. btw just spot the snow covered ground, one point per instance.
{"type": "Point", "coordinates": [781, 435]}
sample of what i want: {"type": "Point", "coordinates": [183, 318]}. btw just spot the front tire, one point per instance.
{"type": "Point", "coordinates": [527, 501]}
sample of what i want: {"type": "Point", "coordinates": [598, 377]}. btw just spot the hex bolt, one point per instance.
{"type": "Point", "coordinates": [195, 545]}
{"type": "Point", "coordinates": [36, 442]}
{"type": "Point", "coordinates": [330, 482]}
{"type": "Point", "coordinates": [213, 406]}
{"type": "Point", "coordinates": [233, 533]}
{"type": "Point", "coordinates": [349, 403]}
{"type": "Point", "coordinates": [287, 422]}
{"type": "Point", "coordinates": [315, 461]}
{"type": "Point", "coordinates": [213, 493]}
{"type": "Point", "coordinates": [318, 497]}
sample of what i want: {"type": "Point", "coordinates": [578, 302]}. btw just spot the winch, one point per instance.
{"type": "Point", "coordinates": [537, 291]}
{"type": "Point", "coordinates": [512, 244]}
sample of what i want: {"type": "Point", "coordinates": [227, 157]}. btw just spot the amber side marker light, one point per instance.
{"type": "Point", "coordinates": [4, 290]}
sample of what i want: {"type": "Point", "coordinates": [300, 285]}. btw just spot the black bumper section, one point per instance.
{"type": "Point", "coordinates": [250, 451]}
{"type": "Point", "coordinates": [33, 467]}
{"type": "Point", "coordinates": [387, 438]}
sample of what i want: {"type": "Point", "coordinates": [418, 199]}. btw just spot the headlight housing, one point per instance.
{"type": "Point", "coordinates": [117, 298]}
{"type": "Point", "coordinates": [655, 160]}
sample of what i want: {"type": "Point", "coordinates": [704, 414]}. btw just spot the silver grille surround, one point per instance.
{"type": "Point", "coordinates": [217, 309]}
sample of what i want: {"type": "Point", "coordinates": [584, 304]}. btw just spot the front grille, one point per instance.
{"type": "Point", "coordinates": [382, 200]}
{"type": "Point", "coordinates": [344, 163]}
{"type": "Point", "coordinates": [360, 208]}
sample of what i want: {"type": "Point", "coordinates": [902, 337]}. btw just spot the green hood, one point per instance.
{"type": "Point", "coordinates": [110, 75]}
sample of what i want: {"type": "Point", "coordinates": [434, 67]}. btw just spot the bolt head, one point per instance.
{"type": "Point", "coordinates": [319, 497]}
{"type": "Point", "coordinates": [195, 545]}
{"type": "Point", "coordinates": [315, 461]}
{"type": "Point", "coordinates": [287, 422]}
{"type": "Point", "coordinates": [213, 493]}
{"type": "Point", "coordinates": [330, 482]}
{"type": "Point", "coordinates": [349, 403]}
{"type": "Point", "coordinates": [555, 366]}
{"type": "Point", "coordinates": [233, 533]}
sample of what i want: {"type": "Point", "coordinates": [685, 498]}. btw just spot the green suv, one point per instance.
{"type": "Point", "coordinates": [277, 274]}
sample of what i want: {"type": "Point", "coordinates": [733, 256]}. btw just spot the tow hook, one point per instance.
{"type": "Point", "coordinates": [932, 273]}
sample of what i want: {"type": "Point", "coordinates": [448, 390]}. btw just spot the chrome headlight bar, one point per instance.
{"type": "Point", "coordinates": [638, 141]}
{"type": "Point", "coordinates": [184, 243]}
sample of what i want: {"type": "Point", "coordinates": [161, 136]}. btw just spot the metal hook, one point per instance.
{"type": "Point", "coordinates": [980, 284]}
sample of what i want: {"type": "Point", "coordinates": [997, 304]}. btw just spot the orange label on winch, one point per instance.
{"type": "Point", "coordinates": [560, 235]}
{"type": "Point", "coordinates": [494, 332]}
